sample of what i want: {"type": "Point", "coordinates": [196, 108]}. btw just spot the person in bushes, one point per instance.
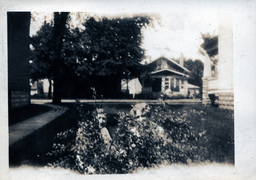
{"type": "Point", "coordinates": [102, 118]}
{"type": "Point", "coordinates": [82, 137]}
{"type": "Point", "coordinates": [140, 111]}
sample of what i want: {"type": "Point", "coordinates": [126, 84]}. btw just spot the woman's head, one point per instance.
{"type": "Point", "coordinates": [101, 117]}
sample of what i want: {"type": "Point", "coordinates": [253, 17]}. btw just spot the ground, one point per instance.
{"type": "Point", "coordinates": [19, 114]}
{"type": "Point", "coordinates": [215, 123]}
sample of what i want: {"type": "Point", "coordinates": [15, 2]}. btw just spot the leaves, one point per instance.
{"type": "Point", "coordinates": [102, 50]}
{"type": "Point", "coordinates": [161, 138]}
{"type": "Point", "coordinates": [210, 44]}
{"type": "Point", "coordinates": [111, 46]}
{"type": "Point", "coordinates": [196, 71]}
{"type": "Point", "coordinates": [42, 53]}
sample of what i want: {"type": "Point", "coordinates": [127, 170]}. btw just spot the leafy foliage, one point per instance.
{"type": "Point", "coordinates": [105, 46]}
{"type": "Point", "coordinates": [42, 53]}
{"type": "Point", "coordinates": [106, 50]}
{"type": "Point", "coordinates": [196, 68]}
{"type": "Point", "coordinates": [210, 44]}
{"type": "Point", "coordinates": [160, 138]}
{"type": "Point", "coordinates": [103, 51]}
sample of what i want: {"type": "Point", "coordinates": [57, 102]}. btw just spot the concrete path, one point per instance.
{"type": "Point", "coordinates": [22, 129]}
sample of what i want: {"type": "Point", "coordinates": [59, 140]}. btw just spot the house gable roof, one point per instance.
{"type": "Point", "coordinates": [172, 65]}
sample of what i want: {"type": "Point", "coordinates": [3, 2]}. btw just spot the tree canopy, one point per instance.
{"type": "Point", "coordinates": [210, 44]}
{"type": "Point", "coordinates": [106, 46]}
{"type": "Point", "coordinates": [109, 49]}
{"type": "Point", "coordinates": [42, 53]}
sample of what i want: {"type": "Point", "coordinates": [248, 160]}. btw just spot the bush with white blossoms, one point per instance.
{"type": "Point", "coordinates": [159, 137]}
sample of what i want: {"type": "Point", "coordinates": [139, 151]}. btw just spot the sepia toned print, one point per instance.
{"type": "Point", "coordinates": [110, 94]}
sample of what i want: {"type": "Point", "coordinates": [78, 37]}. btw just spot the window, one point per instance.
{"type": "Point", "coordinates": [172, 84]}
{"type": "Point", "coordinates": [182, 84]}
{"type": "Point", "coordinates": [166, 83]}
{"type": "Point", "coordinates": [177, 84]}
{"type": "Point", "coordinates": [164, 65]}
{"type": "Point", "coordinates": [158, 65]}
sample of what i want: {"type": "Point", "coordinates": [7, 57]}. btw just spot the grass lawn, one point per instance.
{"type": "Point", "coordinates": [217, 125]}
{"type": "Point", "coordinates": [22, 113]}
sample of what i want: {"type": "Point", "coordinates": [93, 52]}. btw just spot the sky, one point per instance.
{"type": "Point", "coordinates": [179, 33]}
{"type": "Point", "coordinates": [176, 31]}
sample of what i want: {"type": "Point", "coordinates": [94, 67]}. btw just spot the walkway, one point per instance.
{"type": "Point", "coordinates": [22, 129]}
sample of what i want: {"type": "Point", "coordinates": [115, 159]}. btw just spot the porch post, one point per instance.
{"type": "Point", "coordinates": [206, 76]}
{"type": "Point", "coordinates": [205, 97]}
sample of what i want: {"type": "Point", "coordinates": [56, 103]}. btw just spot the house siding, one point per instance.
{"type": "Point", "coordinates": [221, 88]}
{"type": "Point", "coordinates": [226, 100]}
{"type": "Point", "coordinates": [18, 58]}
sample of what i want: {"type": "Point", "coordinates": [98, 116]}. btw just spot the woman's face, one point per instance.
{"type": "Point", "coordinates": [102, 119]}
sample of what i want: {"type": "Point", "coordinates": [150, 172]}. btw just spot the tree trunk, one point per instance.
{"type": "Point", "coordinates": [58, 32]}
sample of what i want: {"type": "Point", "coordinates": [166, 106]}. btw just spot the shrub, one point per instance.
{"type": "Point", "coordinates": [159, 138]}
{"type": "Point", "coordinates": [62, 154]}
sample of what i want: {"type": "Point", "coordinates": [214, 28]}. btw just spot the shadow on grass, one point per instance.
{"type": "Point", "coordinates": [22, 113]}
{"type": "Point", "coordinates": [32, 149]}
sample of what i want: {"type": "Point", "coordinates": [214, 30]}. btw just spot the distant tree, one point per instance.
{"type": "Point", "coordinates": [42, 54]}
{"type": "Point", "coordinates": [210, 45]}
{"type": "Point", "coordinates": [196, 69]}
{"type": "Point", "coordinates": [108, 49]}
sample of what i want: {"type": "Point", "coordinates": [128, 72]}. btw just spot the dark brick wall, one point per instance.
{"type": "Point", "coordinates": [18, 58]}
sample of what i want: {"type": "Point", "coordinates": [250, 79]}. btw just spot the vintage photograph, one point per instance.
{"type": "Point", "coordinates": [114, 94]}
{"type": "Point", "coordinates": [120, 92]}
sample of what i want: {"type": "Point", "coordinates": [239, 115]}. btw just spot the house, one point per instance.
{"type": "Point", "coordinates": [18, 24]}
{"type": "Point", "coordinates": [165, 76]}
{"type": "Point", "coordinates": [219, 89]}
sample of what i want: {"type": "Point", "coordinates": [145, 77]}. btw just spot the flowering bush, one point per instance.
{"type": "Point", "coordinates": [158, 138]}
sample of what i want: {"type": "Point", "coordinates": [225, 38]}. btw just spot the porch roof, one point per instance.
{"type": "Point", "coordinates": [191, 86]}
{"type": "Point", "coordinates": [168, 72]}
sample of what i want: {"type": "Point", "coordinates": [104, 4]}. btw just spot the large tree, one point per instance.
{"type": "Point", "coordinates": [106, 50]}
{"type": "Point", "coordinates": [60, 19]}
{"type": "Point", "coordinates": [47, 61]}
{"type": "Point", "coordinates": [98, 55]}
